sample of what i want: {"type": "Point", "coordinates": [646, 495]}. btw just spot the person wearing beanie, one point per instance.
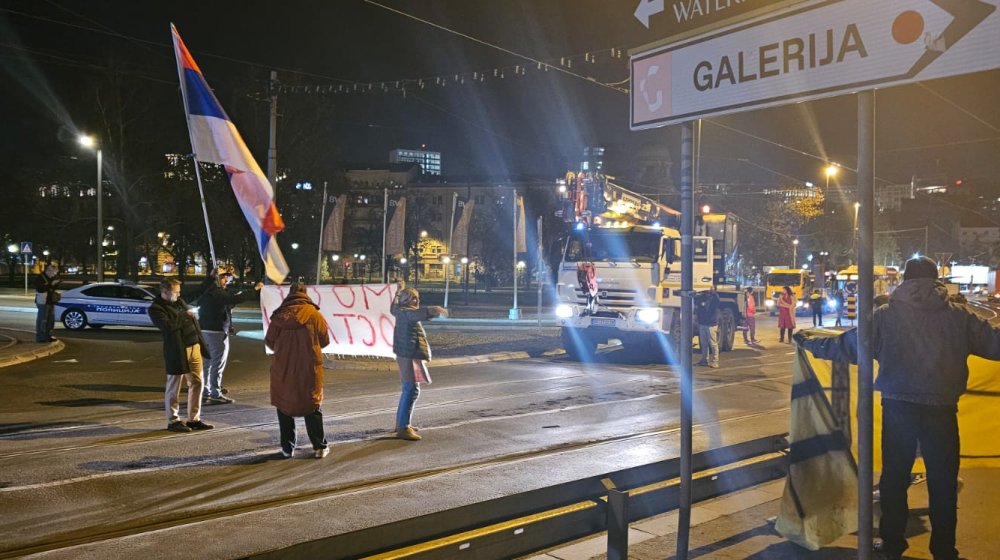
{"type": "Point", "coordinates": [922, 342]}
{"type": "Point", "coordinates": [409, 342]}
{"type": "Point", "coordinates": [297, 333]}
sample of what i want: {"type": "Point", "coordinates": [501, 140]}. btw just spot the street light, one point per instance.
{"type": "Point", "coordinates": [795, 252]}
{"type": "Point", "coordinates": [830, 171]}
{"type": "Point", "coordinates": [854, 236]}
{"type": "Point", "coordinates": [90, 143]}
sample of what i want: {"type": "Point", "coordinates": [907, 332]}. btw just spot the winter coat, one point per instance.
{"type": "Point", "coordinates": [786, 311]}
{"type": "Point", "coordinates": [408, 338]}
{"type": "Point", "coordinates": [816, 303]}
{"type": "Point", "coordinates": [48, 286]}
{"type": "Point", "coordinates": [179, 330]}
{"type": "Point", "coordinates": [707, 308]}
{"type": "Point", "coordinates": [297, 335]}
{"type": "Point", "coordinates": [922, 343]}
{"type": "Point", "coordinates": [215, 306]}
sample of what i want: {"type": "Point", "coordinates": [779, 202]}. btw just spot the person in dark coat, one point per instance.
{"type": "Point", "coordinates": [297, 334]}
{"type": "Point", "coordinates": [816, 301]}
{"type": "Point", "coordinates": [183, 348]}
{"type": "Point", "coordinates": [409, 342]}
{"type": "Point", "coordinates": [215, 315]}
{"type": "Point", "coordinates": [922, 343]}
{"type": "Point", "coordinates": [706, 309]}
{"type": "Point", "coordinates": [46, 298]}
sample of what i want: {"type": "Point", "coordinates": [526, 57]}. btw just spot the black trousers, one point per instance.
{"type": "Point", "coordinates": [314, 427]}
{"type": "Point", "coordinates": [935, 428]}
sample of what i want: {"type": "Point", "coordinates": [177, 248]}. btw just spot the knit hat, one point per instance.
{"type": "Point", "coordinates": [920, 267]}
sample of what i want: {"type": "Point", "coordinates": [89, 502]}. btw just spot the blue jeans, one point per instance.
{"type": "Point", "coordinates": [409, 394]}
{"type": "Point", "coordinates": [314, 427]}
{"type": "Point", "coordinates": [44, 322]}
{"type": "Point", "coordinates": [217, 343]}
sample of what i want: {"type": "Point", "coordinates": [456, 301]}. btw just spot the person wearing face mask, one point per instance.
{"type": "Point", "coordinates": [183, 347]}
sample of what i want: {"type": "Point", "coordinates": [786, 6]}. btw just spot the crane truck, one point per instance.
{"type": "Point", "coordinates": [620, 273]}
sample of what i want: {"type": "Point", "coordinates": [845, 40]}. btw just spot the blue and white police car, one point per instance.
{"type": "Point", "coordinates": [105, 303]}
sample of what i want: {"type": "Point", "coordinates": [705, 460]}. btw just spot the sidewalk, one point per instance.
{"type": "Point", "coordinates": [18, 346]}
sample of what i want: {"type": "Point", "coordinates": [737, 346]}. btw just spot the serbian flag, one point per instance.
{"type": "Point", "coordinates": [214, 139]}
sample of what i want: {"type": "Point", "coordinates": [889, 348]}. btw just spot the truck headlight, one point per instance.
{"type": "Point", "coordinates": [832, 303]}
{"type": "Point", "coordinates": [800, 304]}
{"type": "Point", "coordinates": [768, 303]}
{"type": "Point", "coordinates": [648, 315]}
{"type": "Point", "coordinates": [564, 311]}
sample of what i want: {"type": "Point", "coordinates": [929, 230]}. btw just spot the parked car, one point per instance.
{"type": "Point", "coordinates": [105, 303]}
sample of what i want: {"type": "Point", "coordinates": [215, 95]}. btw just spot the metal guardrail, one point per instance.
{"type": "Point", "coordinates": [530, 521]}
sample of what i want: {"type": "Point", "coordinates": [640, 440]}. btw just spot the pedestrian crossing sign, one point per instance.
{"type": "Point", "coordinates": [26, 247]}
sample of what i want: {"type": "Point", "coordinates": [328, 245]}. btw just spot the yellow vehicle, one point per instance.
{"type": "Point", "coordinates": [886, 278]}
{"type": "Point", "coordinates": [800, 281]}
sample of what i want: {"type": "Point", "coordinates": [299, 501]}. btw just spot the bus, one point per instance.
{"type": "Point", "coordinates": [799, 280]}
{"type": "Point", "coordinates": [885, 279]}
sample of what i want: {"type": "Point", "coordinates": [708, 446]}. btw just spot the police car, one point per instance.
{"type": "Point", "coordinates": [105, 303]}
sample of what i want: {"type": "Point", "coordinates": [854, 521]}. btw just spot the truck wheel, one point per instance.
{"type": "Point", "coordinates": [727, 330]}
{"type": "Point", "coordinates": [578, 344]}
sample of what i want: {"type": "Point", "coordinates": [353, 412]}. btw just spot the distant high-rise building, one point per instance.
{"type": "Point", "coordinates": [430, 162]}
{"type": "Point", "coordinates": [593, 159]}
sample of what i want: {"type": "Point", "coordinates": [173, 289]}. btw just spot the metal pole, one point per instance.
{"type": "Point", "coordinates": [514, 312]}
{"type": "Point", "coordinates": [204, 209]}
{"type": "Point", "coordinates": [540, 266]}
{"type": "Point", "coordinates": [319, 250]}
{"type": "Point", "coordinates": [687, 378]}
{"type": "Point", "coordinates": [100, 220]}
{"type": "Point", "coordinates": [925, 240]}
{"type": "Point", "coordinates": [866, 287]}
{"type": "Point", "coordinates": [24, 261]}
{"type": "Point", "coordinates": [451, 232]}
{"type": "Point", "coordinates": [385, 220]}
{"type": "Point", "coordinates": [272, 148]}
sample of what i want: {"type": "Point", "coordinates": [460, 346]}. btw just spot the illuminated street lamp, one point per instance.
{"type": "Point", "coordinates": [795, 252]}
{"type": "Point", "coordinates": [830, 171]}
{"type": "Point", "coordinates": [90, 143]}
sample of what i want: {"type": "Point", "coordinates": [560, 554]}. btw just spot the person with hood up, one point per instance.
{"type": "Point", "coordinates": [409, 342]}
{"type": "Point", "coordinates": [922, 342]}
{"type": "Point", "coordinates": [297, 334]}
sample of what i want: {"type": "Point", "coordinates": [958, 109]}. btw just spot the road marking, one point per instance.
{"type": "Point", "coordinates": [69, 361]}
{"type": "Point", "coordinates": [122, 362]}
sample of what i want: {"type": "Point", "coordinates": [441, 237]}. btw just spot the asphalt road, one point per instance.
{"type": "Point", "coordinates": [86, 465]}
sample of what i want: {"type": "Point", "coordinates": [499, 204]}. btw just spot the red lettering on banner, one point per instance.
{"type": "Point", "coordinates": [370, 326]}
{"type": "Point", "coordinates": [382, 320]}
{"type": "Point", "coordinates": [354, 296]}
{"type": "Point", "coordinates": [347, 325]}
{"type": "Point", "coordinates": [385, 288]}
{"type": "Point", "coordinates": [317, 296]}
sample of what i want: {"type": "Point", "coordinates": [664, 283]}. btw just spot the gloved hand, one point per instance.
{"type": "Point", "coordinates": [799, 337]}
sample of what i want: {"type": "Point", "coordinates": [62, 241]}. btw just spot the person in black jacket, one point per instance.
{"type": "Point", "coordinates": [215, 315]}
{"type": "Point", "coordinates": [922, 342]}
{"type": "Point", "coordinates": [409, 342]}
{"type": "Point", "coordinates": [706, 305]}
{"type": "Point", "coordinates": [182, 354]}
{"type": "Point", "coordinates": [46, 298]}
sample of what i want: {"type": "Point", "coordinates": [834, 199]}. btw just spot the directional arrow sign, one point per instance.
{"type": "Point", "coordinates": [810, 51]}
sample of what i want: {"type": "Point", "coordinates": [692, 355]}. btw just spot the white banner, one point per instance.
{"type": "Point", "coordinates": [358, 315]}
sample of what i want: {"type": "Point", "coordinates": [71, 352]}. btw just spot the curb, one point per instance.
{"type": "Point", "coordinates": [24, 357]}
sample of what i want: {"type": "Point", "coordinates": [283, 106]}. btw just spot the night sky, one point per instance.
{"type": "Point", "coordinates": [532, 124]}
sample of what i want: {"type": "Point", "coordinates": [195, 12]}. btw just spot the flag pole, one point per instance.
{"type": "Point", "coordinates": [319, 250]}
{"type": "Point", "coordinates": [194, 159]}
{"type": "Point", "coordinates": [385, 217]}
{"type": "Point", "coordinates": [451, 233]}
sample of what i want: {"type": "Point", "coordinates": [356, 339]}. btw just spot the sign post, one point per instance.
{"type": "Point", "coordinates": [25, 255]}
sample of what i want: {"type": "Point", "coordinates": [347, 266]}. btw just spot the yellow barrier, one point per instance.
{"type": "Point", "coordinates": [978, 420]}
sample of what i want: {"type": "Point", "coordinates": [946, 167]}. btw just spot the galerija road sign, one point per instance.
{"type": "Point", "coordinates": [809, 51]}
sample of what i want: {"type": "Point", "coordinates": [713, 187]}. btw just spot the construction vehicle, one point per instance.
{"type": "Point", "coordinates": [800, 281]}
{"type": "Point", "coordinates": [620, 275]}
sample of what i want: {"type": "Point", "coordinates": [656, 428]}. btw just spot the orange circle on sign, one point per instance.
{"type": "Point", "coordinates": [907, 27]}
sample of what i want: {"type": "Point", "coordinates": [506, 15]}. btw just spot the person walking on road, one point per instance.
{"type": "Point", "coordinates": [921, 342]}
{"type": "Point", "coordinates": [46, 298]}
{"type": "Point", "coordinates": [786, 314]}
{"type": "Point", "coordinates": [183, 349]}
{"type": "Point", "coordinates": [841, 302]}
{"type": "Point", "coordinates": [816, 301]}
{"type": "Point", "coordinates": [297, 334]}
{"type": "Point", "coordinates": [409, 342]}
{"type": "Point", "coordinates": [750, 335]}
{"type": "Point", "coordinates": [706, 306]}
{"type": "Point", "coordinates": [215, 315]}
